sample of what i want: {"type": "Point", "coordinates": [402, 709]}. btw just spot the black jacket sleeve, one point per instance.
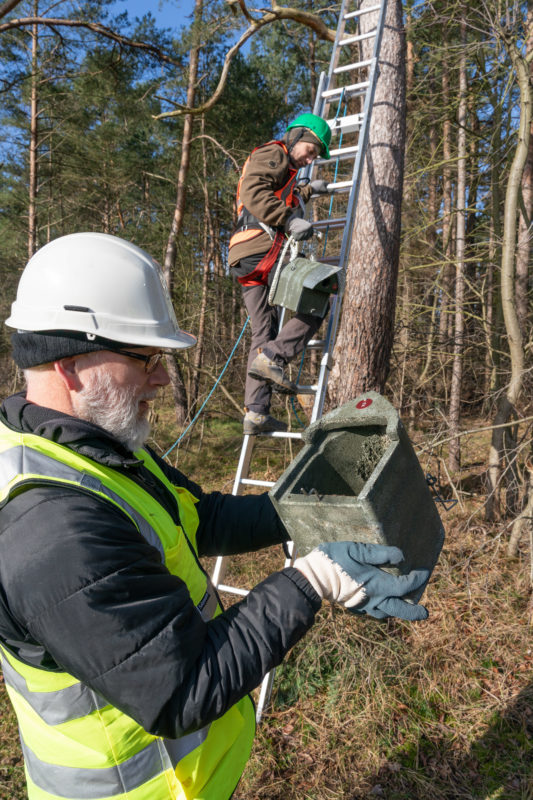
{"type": "Point", "coordinates": [230, 524]}
{"type": "Point", "coordinates": [83, 583]}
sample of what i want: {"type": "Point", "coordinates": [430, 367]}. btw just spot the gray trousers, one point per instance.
{"type": "Point", "coordinates": [279, 345]}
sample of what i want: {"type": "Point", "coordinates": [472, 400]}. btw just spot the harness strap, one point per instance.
{"type": "Point", "coordinates": [259, 276]}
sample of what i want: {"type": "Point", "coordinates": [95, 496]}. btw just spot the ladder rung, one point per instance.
{"type": "Point", "coordinates": [360, 12]}
{"type": "Point", "coordinates": [341, 186]}
{"type": "Point", "coordinates": [348, 67]}
{"type": "Point", "coordinates": [316, 344]}
{"type": "Point", "coordinates": [346, 124]}
{"type": "Point", "coordinates": [254, 482]}
{"type": "Point", "coordinates": [340, 154]}
{"type": "Point", "coordinates": [334, 260]}
{"type": "Point", "coordinates": [359, 38]}
{"type": "Point", "coordinates": [349, 91]}
{"type": "Point", "coordinates": [322, 224]}
{"type": "Point", "coordinates": [232, 590]}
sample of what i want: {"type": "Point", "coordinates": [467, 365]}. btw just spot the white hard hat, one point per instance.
{"type": "Point", "coordinates": [99, 285]}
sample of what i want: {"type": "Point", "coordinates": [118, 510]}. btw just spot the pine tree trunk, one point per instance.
{"type": "Point", "coordinates": [454, 455]}
{"type": "Point", "coordinates": [524, 244]}
{"type": "Point", "coordinates": [431, 236]}
{"type": "Point", "coordinates": [366, 331]}
{"type": "Point", "coordinates": [507, 405]}
{"type": "Point", "coordinates": [446, 281]}
{"type": "Point", "coordinates": [208, 256]}
{"type": "Point", "coordinates": [34, 139]}
{"type": "Point", "coordinates": [176, 380]}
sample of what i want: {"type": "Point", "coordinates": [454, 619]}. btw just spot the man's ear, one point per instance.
{"type": "Point", "coordinates": [67, 370]}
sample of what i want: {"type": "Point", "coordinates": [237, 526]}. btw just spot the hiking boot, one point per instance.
{"type": "Point", "coordinates": [254, 423]}
{"type": "Point", "coordinates": [264, 369]}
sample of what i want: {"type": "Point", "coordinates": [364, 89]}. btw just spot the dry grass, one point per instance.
{"type": "Point", "coordinates": [440, 710]}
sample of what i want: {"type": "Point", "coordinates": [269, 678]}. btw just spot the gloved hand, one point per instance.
{"type": "Point", "coordinates": [299, 228]}
{"type": "Point", "coordinates": [319, 187]}
{"type": "Point", "coordinates": [346, 573]}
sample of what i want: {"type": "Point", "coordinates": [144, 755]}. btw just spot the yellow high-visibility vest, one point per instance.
{"type": "Point", "coordinates": [76, 745]}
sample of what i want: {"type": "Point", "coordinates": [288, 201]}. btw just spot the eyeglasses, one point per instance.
{"type": "Point", "coordinates": [150, 362]}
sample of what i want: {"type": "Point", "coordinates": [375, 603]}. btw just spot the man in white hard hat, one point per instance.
{"type": "Point", "coordinates": [127, 677]}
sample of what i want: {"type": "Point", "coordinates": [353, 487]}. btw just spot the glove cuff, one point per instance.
{"type": "Point", "coordinates": [304, 566]}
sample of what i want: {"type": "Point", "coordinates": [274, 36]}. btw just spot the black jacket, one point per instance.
{"type": "Point", "coordinates": [81, 590]}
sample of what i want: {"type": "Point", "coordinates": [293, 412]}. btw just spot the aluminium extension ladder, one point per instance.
{"type": "Point", "coordinates": [345, 99]}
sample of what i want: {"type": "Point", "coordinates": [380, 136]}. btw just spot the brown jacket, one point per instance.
{"type": "Point", "coordinates": [266, 172]}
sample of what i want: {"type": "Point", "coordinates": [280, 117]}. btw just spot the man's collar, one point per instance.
{"type": "Point", "coordinates": [79, 435]}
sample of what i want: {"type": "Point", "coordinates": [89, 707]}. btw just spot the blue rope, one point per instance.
{"type": "Point", "coordinates": [193, 420]}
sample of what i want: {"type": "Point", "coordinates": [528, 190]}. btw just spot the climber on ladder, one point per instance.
{"type": "Point", "coordinates": [269, 207]}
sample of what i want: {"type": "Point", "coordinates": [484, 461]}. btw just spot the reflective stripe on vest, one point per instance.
{"type": "Point", "coordinates": [57, 707]}
{"type": "Point", "coordinates": [93, 784]}
{"type": "Point", "coordinates": [101, 751]}
{"type": "Point", "coordinates": [21, 460]}
{"type": "Point", "coordinates": [74, 702]}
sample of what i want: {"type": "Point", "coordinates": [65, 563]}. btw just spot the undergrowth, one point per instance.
{"type": "Point", "coordinates": [439, 710]}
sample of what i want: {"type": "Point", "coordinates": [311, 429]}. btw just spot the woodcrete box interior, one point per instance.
{"type": "Point", "coordinates": [358, 478]}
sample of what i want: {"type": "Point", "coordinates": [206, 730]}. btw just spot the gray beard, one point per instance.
{"type": "Point", "coordinates": [113, 408]}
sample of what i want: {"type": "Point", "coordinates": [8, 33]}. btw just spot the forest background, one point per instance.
{"type": "Point", "coordinates": [361, 709]}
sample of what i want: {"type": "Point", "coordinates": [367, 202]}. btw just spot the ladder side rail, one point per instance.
{"type": "Point", "coordinates": [242, 469]}
{"type": "Point", "coordinates": [320, 89]}
{"type": "Point", "coordinates": [363, 140]}
{"type": "Point", "coordinates": [335, 53]}
{"type": "Point", "coordinates": [325, 364]}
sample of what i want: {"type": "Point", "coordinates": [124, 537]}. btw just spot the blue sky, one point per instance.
{"type": "Point", "coordinates": [168, 13]}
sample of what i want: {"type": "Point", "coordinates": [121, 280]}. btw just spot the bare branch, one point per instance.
{"type": "Point", "coordinates": [217, 144]}
{"type": "Point", "coordinates": [233, 8]}
{"type": "Point", "coordinates": [471, 431]}
{"type": "Point", "coordinates": [95, 27]}
{"type": "Point", "coordinates": [230, 397]}
{"type": "Point", "coordinates": [8, 6]}
{"type": "Point", "coordinates": [306, 18]}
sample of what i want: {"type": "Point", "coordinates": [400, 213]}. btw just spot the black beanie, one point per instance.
{"type": "Point", "coordinates": [31, 349]}
{"type": "Point", "coordinates": [294, 135]}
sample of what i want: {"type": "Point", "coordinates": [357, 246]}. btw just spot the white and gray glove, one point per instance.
{"type": "Point", "coordinates": [347, 573]}
{"type": "Point", "coordinates": [300, 229]}
{"type": "Point", "coordinates": [319, 187]}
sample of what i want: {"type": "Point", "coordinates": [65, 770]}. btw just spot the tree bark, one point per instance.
{"type": "Point", "coordinates": [525, 519]}
{"type": "Point", "coordinates": [524, 244]}
{"type": "Point", "coordinates": [34, 139]}
{"type": "Point", "coordinates": [176, 380]}
{"type": "Point", "coordinates": [208, 257]}
{"type": "Point", "coordinates": [364, 343]}
{"type": "Point", "coordinates": [447, 238]}
{"type": "Point", "coordinates": [507, 405]}
{"type": "Point", "coordinates": [454, 455]}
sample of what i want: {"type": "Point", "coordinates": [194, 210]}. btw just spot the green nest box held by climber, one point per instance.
{"type": "Point", "coordinates": [305, 286]}
{"type": "Point", "coordinates": [358, 478]}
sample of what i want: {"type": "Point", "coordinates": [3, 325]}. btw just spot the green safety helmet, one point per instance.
{"type": "Point", "coordinates": [318, 126]}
